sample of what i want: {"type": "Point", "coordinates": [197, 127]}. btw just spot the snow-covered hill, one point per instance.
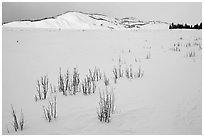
{"type": "Point", "coordinates": [79, 20]}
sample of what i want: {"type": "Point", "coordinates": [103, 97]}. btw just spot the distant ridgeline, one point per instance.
{"type": "Point", "coordinates": [185, 26]}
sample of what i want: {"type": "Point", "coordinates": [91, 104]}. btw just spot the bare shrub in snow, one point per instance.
{"type": "Point", "coordinates": [45, 85]}
{"type": "Point", "coordinates": [15, 120]}
{"type": "Point", "coordinates": [75, 82]}
{"type": "Point", "coordinates": [21, 123]}
{"type": "Point", "coordinates": [139, 73]}
{"type": "Point", "coordinates": [106, 106]}
{"type": "Point", "coordinates": [95, 75]}
{"type": "Point", "coordinates": [91, 75]}
{"type": "Point", "coordinates": [38, 91]}
{"type": "Point", "coordinates": [176, 47]}
{"type": "Point", "coordinates": [188, 45]}
{"type": "Point", "coordinates": [69, 83]}
{"type": "Point", "coordinates": [118, 73]}
{"type": "Point", "coordinates": [50, 111]}
{"type": "Point", "coordinates": [129, 73]}
{"type": "Point", "coordinates": [115, 73]}
{"type": "Point", "coordinates": [42, 88]}
{"type": "Point", "coordinates": [17, 125]}
{"type": "Point", "coordinates": [190, 54]}
{"type": "Point", "coordinates": [64, 82]}
{"type": "Point", "coordinates": [88, 86]}
{"type": "Point", "coordinates": [85, 87]}
{"type": "Point", "coordinates": [61, 83]}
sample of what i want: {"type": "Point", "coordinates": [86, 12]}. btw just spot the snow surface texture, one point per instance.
{"type": "Point", "coordinates": [167, 100]}
{"type": "Point", "coordinates": [79, 20]}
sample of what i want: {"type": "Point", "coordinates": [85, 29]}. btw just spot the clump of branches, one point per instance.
{"type": "Point", "coordinates": [21, 120]}
{"type": "Point", "coordinates": [44, 83]}
{"type": "Point", "coordinates": [88, 86]}
{"type": "Point", "coordinates": [106, 106]}
{"type": "Point", "coordinates": [129, 73]}
{"type": "Point", "coordinates": [187, 45]}
{"type": "Point", "coordinates": [190, 54]}
{"type": "Point", "coordinates": [117, 73]}
{"type": "Point", "coordinates": [139, 73]}
{"type": "Point", "coordinates": [176, 47]}
{"type": "Point", "coordinates": [42, 88]}
{"type": "Point", "coordinates": [17, 124]}
{"type": "Point", "coordinates": [50, 112]}
{"type": "Point", "coordinates": [95, 75]}
{"type": "Point", "coordinates": [64, 82]}
{"type": "Point", "coordinates": [69, 82]}
{"type": "Point", "coordinates": [75, 82]}
{"type": "Point", "coordinates": [120, 71]}
{"type": "Point", "coordinates": [15, 120]}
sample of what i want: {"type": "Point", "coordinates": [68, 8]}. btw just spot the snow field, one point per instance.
{"type": "Point", "coordinates": [166, 100]}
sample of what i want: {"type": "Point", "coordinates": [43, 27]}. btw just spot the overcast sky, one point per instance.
{"type": "Point", "coordinates": [171, 12]}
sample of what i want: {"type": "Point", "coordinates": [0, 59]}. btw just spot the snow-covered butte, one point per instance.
{"type": "Point", "coordinates": [86, 21]}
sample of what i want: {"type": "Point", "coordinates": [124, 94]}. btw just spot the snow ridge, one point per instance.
{"type": "Point", "coordinates": [86, 21]}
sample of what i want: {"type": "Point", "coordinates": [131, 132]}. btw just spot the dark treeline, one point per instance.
{"type": "Point", "coordinates": [185, 26]}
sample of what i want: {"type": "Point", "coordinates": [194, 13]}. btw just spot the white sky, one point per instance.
{"type": "Point", "coordinates": [179, 12]}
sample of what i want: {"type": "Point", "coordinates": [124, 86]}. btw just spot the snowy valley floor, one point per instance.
{"type": "Point", "coordinates": [166, 100]}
